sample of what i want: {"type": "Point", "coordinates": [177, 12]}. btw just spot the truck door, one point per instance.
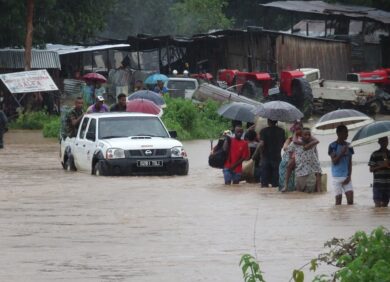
{"type": "Point", "coordinates": [90, 144]}
{"type": "Point", "coordinates": [79, 145]}
{"type": "Point", "coordinates": [87, 145]}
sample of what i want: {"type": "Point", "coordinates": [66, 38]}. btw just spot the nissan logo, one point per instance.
{"type": "Point", "coordinates": [148, 152]}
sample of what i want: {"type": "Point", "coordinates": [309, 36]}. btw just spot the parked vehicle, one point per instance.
{"type": "Point", "coordinates": [380, 77]}
{"type": "Point", "coordinates": [123, 143]}
{"type": "Point", "coordinates": [305, 89]}
{"type": "Point", "coordinates": [261, 86]}
{"type": "Point", "coordinates": [183, 87]}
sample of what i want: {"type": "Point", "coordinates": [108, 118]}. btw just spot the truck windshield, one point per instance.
{"type": "Point", "coordinates": [116, 127]}
{"type": "Point", "coordinates": [181, 84]}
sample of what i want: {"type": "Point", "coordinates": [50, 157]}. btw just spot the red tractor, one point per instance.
{"type": "Point", "coordinates": [294, 86]}
{"type": "Point", "coordinates": [380, 77]}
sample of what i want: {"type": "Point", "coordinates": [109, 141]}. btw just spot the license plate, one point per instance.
{"type": "Point", "coordinates": [149, 163]}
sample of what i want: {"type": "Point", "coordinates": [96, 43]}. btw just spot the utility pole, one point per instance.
{"type": "Point", "coordinates": [29, 35]}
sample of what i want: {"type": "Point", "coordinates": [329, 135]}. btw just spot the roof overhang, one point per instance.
{"type": "Point", "coordinates": [326, 9]}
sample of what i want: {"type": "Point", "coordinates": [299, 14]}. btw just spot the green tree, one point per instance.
{"type": "Point", "coordinates": [54, 20]}
{"type": "Point", "coordinates": [139, 16]}
{"type": "Point", "coordinates": [198, 16]}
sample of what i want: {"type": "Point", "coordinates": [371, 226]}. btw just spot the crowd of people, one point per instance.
{"type": "Point", "coordinates": [292, 163]}
{"type": "Point", "coordinates": [75, 115]}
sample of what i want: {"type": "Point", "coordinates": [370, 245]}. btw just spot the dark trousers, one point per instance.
{"type": "Point", "coordinates": [270, 173]}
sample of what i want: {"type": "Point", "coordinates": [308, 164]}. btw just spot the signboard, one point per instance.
{"type": "Point", "coordinates": [28, 81]}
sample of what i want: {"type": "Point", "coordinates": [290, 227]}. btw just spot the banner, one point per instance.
{"type": "Point", "coordinates": [28, 81]}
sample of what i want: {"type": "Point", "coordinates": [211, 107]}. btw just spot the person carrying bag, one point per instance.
{"type": "Point", "coordinates": [249, 173]}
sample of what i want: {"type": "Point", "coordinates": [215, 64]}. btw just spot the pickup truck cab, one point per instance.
{"type": "Point", "coordinates": [182, 87]}
{"type": "Point", "coordinates": [123, 144]}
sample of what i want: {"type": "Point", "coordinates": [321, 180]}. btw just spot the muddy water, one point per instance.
{"type": "Point", "coordinates": [60, 226]}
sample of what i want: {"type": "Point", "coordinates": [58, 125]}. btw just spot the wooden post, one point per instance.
{"type": "Point", "coordinates": [326, 28]}
{"type": "Point", "coordinates": [168, 56]}
{"type": "Point", "coordinates": [29, 35]}
{"type": "Point", "coordinates": [307, 28]}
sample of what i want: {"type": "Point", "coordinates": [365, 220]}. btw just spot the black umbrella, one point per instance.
{"type": "Point", "coordinates": [279, 110]}
{"type": "Point", "coordinates": [238, 111]}
{"type": "Point", "coordinates": [148, 95]}
{"type": "Point", "coordinates": [328, 123]}
{"type": "Point", "coordinates": [371, 133]}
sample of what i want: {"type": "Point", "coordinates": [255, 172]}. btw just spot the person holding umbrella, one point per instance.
{"type": "Point", "coordinates": [160, 88]}
{"type": "Point", "coordinates": [238, 151]}
{"type": "Point", "coordinates": [380, 167]}
{"type": "Point", "coordinates": [273, 138]}
{"type": "Point", "coordinates": [87, 93]}
{"type": "Point", "coordinates": [341, 155]}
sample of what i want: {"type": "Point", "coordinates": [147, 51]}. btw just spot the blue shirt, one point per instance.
{"type": "Point", "coordinates": [341, 168]}
{"type": "Point", "coordinates": [162, 91]}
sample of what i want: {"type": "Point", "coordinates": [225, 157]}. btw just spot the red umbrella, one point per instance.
{"type": "Point", "coordinates": [95, 77]}
{"type": "Point", "coordinates": [143, 106]}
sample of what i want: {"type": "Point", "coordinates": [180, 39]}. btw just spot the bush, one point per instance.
{"type": "Point", "coordinates": [31, 120]}
{"type": "Point", "coordinates": [363, 257]}
{"type": "Point", "coordinates": [38, 120]}
{"type": "Point", "coordinates": [52, 128]}
{"type": "Point", "coordinates": [194, 120]}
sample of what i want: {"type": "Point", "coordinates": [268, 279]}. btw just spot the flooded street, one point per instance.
{"type": "Point", "coordinates": [71, 226]}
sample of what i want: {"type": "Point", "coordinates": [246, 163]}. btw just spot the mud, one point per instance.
{"type": "Point", "coordinates": [70, 226]}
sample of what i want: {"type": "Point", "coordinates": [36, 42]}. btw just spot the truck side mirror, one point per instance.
{"type": "Point", "coordinates": [173, 133]}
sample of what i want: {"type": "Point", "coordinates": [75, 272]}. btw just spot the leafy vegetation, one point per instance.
{"type": "Point", "coordinates": [251, 269]}
{"type": "Point", "coordinates": [199, 16]}
{"type": "Point", "coordinates": [38, 120]}
{"type": "Point", "coordinates": [363, 257]}
{"type": "Point", "coordinates": [54, 21]}
{"type": "Point", "coordinates": [194, 121]}
{"type": "Point", "coordinates": [30, 120]}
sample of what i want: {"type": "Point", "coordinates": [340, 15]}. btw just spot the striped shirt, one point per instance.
{"type": "Point", "coordinates": [381, 176]}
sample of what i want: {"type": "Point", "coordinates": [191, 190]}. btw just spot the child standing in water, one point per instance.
{"type": "Point", "coordinates": [341, 156]}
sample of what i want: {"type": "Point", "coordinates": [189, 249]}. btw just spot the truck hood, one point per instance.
{"type": "Point", "coordinates": [137, 143]}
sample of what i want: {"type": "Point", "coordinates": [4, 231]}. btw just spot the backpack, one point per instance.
{"type": "Point", "coordinates": [218, 157]}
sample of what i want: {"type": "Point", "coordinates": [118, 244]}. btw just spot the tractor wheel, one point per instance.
{"type": "Point", "coordinates": [251, 90]}
{"type": "Point", "coordinates": [302, 96]}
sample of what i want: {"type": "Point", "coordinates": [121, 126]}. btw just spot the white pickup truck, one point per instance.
{"type": "Point", "coordinates": [124, 144]}
{"type": "Point", "coordinates": [182, 87]}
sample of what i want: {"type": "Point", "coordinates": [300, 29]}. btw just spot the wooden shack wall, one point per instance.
{"type": "Point", "coordinates": [271, 52]}
{"type": "Point", "coordinates": [332, 58]}
{"type": "Point", "coordinates": [255, 49]}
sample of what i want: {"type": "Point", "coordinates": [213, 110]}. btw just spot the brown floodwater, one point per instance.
{"type": "Point", "coordinates": [71, 226]}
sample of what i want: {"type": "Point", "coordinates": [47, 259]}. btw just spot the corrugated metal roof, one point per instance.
{"type": "Point", "coordinates": [40, 59]}
{"type": "Point", "coordinates": [317, 28]}
{"type": "Point", "coordinates": [68, 49]}
{"type": "Point", "coordinates": [320, 7]}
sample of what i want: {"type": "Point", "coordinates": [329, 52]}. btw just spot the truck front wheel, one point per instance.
{"type": "Point", "coordinates": [100, 169]}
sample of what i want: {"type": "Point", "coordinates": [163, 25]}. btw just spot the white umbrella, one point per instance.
{"type": "Point", "coordinates": [328, 123]}
{"type": "Point", "coordinates": [371, 133]}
